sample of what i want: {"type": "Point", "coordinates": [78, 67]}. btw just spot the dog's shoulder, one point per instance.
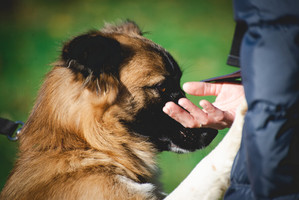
{"type": "Point", "coordinates": [147, 190]}
{"type": "Point", "coordinates": [105, 186]}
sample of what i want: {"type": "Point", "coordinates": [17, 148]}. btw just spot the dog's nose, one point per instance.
{"type": "Point", "coordinates": [175, 96]}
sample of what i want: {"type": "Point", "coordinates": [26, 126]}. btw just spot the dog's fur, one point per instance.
{"type": "Point", "coordinates": [97, 123]}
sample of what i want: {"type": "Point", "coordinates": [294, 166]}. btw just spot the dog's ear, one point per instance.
{"type": "Point", "coordinates": [93, 53]}
{"type": "Point", "coordinates": [126, 27]}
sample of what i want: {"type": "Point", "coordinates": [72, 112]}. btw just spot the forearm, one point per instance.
{"type": "Point", "coordinates": [210, 178]}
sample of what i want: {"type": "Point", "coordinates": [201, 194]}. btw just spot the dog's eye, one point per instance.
{"type": "Point", "coordinates": [161, 87]}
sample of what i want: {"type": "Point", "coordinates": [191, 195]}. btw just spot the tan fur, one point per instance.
{"type": "Point", "coordinates": [73, 145]}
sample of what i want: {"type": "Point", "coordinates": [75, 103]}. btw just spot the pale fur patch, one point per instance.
{"type": "Point", "coordinates": [173, 147]}
{"type": "Point", "coordinates": [146, 189]}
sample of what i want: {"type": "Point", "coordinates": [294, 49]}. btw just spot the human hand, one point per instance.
{"type": "Point", "coordinates": [218, 115]}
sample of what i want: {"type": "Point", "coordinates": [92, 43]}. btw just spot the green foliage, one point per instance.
{"type": "Point", "coordinates": [197, 33]}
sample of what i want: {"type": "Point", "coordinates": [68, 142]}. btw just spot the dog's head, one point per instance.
{"type": "Point", "coordinates": [134, 77]}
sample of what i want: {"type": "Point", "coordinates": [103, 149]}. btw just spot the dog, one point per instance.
{"type": "Point", "coordinates": [97, 123]}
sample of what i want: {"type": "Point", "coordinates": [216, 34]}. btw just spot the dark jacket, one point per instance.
{"type": "Point", "coordinates": [267, 165]}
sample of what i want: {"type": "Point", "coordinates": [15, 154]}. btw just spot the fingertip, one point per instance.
{"type": "Point", "coordinates": [204, 103]}
{"type": "Point", "coordinates": [188, 87]}
{"type": "Point", "coordinates": [169, 104]}
{"type": "Point", "coordinates": [182, 101]}
{"type": "Point", "coordinates": [166, 110]}
{"type": "Point", "coordinates": [169, 108]}
{"type": "Point", "coordinates": [185, 86]}
{"type": "Point", "coordinates": [207, 106]}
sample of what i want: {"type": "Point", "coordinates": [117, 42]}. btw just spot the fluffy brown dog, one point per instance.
{"type": "Point", "coordinates": [97, 123]}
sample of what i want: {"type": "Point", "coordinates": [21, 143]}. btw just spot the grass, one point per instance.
{"type": "Point", "coordinates": [197, 33]}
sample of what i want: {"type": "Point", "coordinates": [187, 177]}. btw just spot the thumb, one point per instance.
{"type": "Point", "coordinates": [202, 88]}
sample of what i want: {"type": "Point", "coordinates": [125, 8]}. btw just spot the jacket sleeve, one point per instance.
{"type": "Point", "coordinates": [267, 165]}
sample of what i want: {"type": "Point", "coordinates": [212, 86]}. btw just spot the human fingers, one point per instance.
{"type": "Point", "coordinates": [213, 112]}
{"type": "Point", "coordinates": [199, 117]}
{"type": "Point", "coordinates": [211, 116]}
{"type": "Point", "coordinates": [178, 114]}
{"type": "Point", "coordinates": [216, 117]}
{"type": "Point", "coordinates": [202, 88]}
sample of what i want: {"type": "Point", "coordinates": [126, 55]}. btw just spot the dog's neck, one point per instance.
{"type": "Point", "coordinates": [131, 156]}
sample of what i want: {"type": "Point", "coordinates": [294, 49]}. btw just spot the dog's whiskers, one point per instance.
{"type": "Point", "coordinates": [87, 80]}
{"type": "Point", "coordinates": [98, 87]}
{"type": "Point", "coordinates": [70, 62]}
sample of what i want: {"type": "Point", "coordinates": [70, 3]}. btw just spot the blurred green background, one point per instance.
{"type": "Point", "coordinates": [197, 33]}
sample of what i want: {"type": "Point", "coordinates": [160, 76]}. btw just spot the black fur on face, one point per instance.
{"type": "Point", "coordinates": [166, 133]}
{"type": "Point", "coordinates": [98, 53]}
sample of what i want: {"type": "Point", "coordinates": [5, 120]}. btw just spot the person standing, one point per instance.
{"type": "Point", "coordinates": [267, 164]}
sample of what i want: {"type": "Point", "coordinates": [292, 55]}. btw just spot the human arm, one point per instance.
{"type": "Point", "coordinates": [210, 177]}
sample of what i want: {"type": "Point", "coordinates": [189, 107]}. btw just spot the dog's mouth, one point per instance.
{"type": "Point", "coordinates": [183, 140]}
{"type": "Point", "coordinates": [173, 147]}
{"type": "Point", "coordinates": [180, 139]}
{"type": "Point", "coordinates": [169, 135]}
